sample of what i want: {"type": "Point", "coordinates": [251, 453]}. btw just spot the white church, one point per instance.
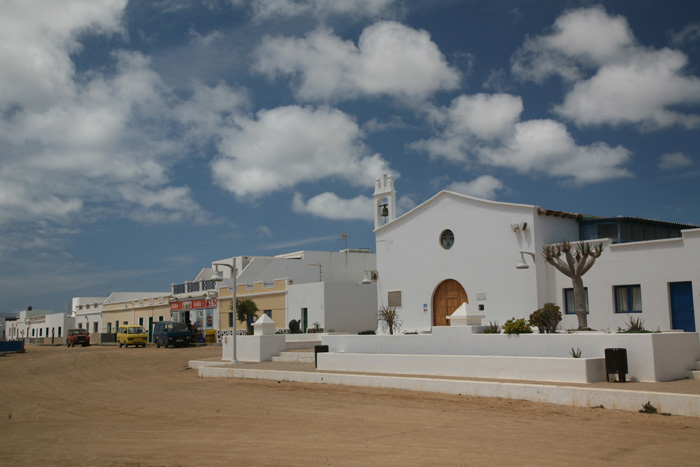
{"type": "Point", "coordinates": [455, 249]}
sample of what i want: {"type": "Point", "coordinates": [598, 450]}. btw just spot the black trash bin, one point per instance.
{"type": "Point", "coordinates": [319, 349]}
{"type": "Point", "coordinates": [616, 362]}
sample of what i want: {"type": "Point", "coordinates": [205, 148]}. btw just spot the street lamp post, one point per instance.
{"type": "Point", "coordinates": [218, 276]}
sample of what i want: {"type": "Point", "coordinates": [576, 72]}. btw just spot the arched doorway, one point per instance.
{"type": "Point", "coordinates": [448, 297]}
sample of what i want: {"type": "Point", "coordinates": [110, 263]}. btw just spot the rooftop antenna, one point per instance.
{"type": "Point", "coordinates": [344, 236]}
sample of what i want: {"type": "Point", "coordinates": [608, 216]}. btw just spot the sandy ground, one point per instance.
{"type": "Point", "coordinates": [109, 406]}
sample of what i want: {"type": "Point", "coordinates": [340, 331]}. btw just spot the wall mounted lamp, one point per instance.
{"type": "Point", "coordinates": [522, 264]}
{"type": "Point", "coordinates": [369, 275]}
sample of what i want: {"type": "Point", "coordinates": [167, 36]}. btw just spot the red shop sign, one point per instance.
{"type": "Point", "coordinates": [193, 304]}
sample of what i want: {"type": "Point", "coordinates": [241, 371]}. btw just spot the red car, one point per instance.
{"type": "Point", "coordinates": [77, 336]}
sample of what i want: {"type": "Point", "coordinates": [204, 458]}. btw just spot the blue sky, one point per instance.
{"type": "Point", "coordinates": [139, 141]}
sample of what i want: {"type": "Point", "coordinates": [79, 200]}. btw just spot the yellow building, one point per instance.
{"type": "Point", "coordinates": [270, 298]}
{"type": "Point", "coordinates": [143, 308]}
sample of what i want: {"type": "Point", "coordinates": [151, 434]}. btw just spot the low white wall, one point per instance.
{"type": "Point", "coordinates": [676, 404]}
{"type": "Point", "coordinates": [570, 370]}
{"type": "Point", "coordinates": [253, 348]}
{"type": "Point", "coordinates": [651, 357]}
{"type": "Point", "coordinates": [303, 337]}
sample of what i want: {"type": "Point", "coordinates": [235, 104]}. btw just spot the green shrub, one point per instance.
{"type": "Point", "coordinates": [546, 318]}
{"type": "Point", "coordinates": [492, 328]}
{"type": "Point", "coordinates": [516, 326]}
{"type": "Point", "coordinates": [369, 332]}
{"type": "Point", "coordinates": [635, 325]}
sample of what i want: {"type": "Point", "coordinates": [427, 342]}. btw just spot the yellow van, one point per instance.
{"type": "Point", "coordinates": [132, 334]}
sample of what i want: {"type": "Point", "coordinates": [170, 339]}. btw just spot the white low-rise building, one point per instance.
{"type": "Point", "coordinates": [317, 289]}
{"type": "Point", "coordinates": [40, 326]}
{"type": "Point", "coordinates": [455, 248]}
{"type": "Point", "coordinates": [87, 312]}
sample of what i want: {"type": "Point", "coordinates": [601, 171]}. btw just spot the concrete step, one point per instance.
{"type": "Point", "coordinates": [694, 374]}
{"type": "Point", "coordinates": [298, 357]}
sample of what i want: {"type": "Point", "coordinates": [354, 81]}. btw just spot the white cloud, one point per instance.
{"type": "Point", "coordinates": [299, 242]}
{"type": "Point", "coordinates": [390, 59]}
{"type": "Point", "coordinates": [687, 35]}
{"type": "Point", "coordinates": [484, 116]}
{"type": "Point", "coordinates": [330, 206]}
{"type": "Point", "coordinates": [286, 146]}
{"type": "Point", "coordinates": [166, 205]}
{"type": "Point", "coordinates": [641, 91]}
{"type": "Point", "coordinates": [535, 147]}
{"type": "Point", "coordinates": [615, 80]}
{"type": "Point", "coordinates": [38, 37]}
{"type": "Point", "coordinates": [484, 187]}
{"type": "Point", "coordinates": [199, 40]}
{"type": "Point", "coordinates": [405, 203]}
{"type": "Point", "coordinates": [75, 144]}
{"type": "Point", "coordinates": [270, 9]}
{"type": "Point", "coordinates": [210, 108]}
{"type": "Point", "coordinates": [675, 160]}
{"type": "Point", "coordinates": [375, 125]}
{"type": "Point", "coordinates": [264, 231]}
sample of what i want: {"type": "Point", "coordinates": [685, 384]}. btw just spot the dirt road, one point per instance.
{"type": "Point", "coordinates": [111, 406]}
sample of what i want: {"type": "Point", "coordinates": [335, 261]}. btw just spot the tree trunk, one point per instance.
{"type": "Point", "coordinates": [580, 298]}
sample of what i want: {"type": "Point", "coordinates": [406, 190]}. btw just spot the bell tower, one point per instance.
{"type": "Point", "coordinates": [384, 201]}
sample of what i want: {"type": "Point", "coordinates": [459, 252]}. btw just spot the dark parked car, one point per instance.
{"type": "Point", "coordinates": [77, 337]}
{"type": "Point", "coordinates": [167, 333]}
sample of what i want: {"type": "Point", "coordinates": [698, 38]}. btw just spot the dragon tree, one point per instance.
{"type": "Point", "coordinates": [577, 261]}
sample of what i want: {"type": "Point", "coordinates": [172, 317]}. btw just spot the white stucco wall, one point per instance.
{"type": "Point", "coordinates": [351, 307]}
{"type": "Point", "coordinates": [342, 307]}
{"type": "Point", "coordinates": [547, 230]}
{"type": "Point", "coordinates": [309, 296]}
{"type": "Point", "coordinates": [253, 348]}
{"type": "Point", "coordinates": [308, 266]}
{"type": "Point", "coordinates": [652, 265]}
{"type": "Point", "coordinates": [43, 325]}
{"type": "Point", "coordinates": [87, 317]}
{"type": "Point", "coordinates": [486, 249]}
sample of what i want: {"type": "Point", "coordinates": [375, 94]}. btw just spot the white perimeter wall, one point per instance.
{"type": "Point", "coordinates": [651, 357]}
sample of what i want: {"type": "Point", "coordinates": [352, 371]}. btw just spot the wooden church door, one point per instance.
{"type": "Point", "coordinates": [448, 297]}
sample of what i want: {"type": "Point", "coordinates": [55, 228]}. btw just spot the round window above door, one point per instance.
{"type": "Point", "coordinates": [447, 239]}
